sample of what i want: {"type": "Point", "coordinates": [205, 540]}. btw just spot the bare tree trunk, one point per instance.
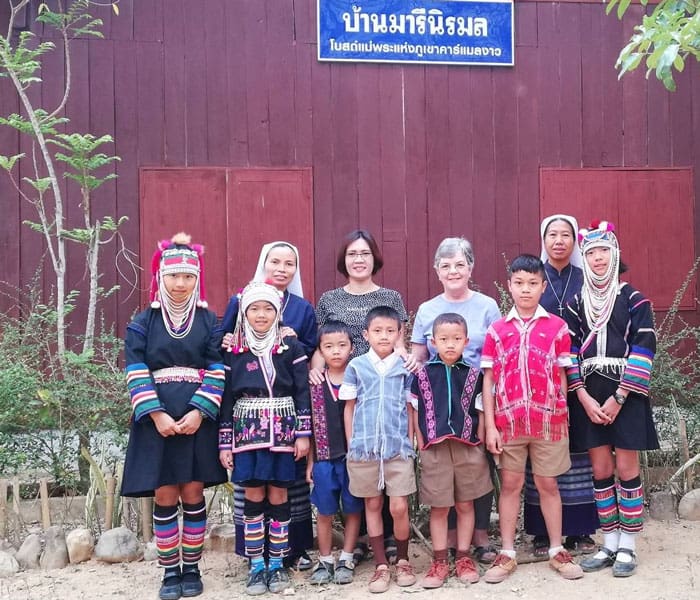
{"type": "Point", "coordinates": [92, 261]}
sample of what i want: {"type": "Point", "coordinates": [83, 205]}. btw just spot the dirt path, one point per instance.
{"type": "Point", "coordinates": [669, 569]}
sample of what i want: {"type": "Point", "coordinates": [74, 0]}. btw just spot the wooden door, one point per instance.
{"type": "Point", "coordinates": [267, 205]}
{"type": "Point", "coordinates": [652, 210]}
{"type": "Point", "coordinates": [233, 212]}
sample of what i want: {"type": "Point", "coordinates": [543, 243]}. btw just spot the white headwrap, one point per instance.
{"type": "Point", "coordinates": [294, 286]}
{"type": "Point", "coordinates": [576, 256]}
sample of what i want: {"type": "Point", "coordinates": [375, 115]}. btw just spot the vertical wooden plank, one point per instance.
{"type": "Point", "coordinates": [327, 230]}
{"type": "Point", "coordinates": [658, 119]}
{"type": "Point", "coordinates": [528, 163]}
{"type": "Point", "coordinates": [393, 177]}
{"type": "Point", "coordinates": [593, 104]}
{"type": "Point", "coordinates": [149, 90]}
{"type": "Point", "coordinates": [525, 25]}
{"type": "Point", "coordinates": [369, 168]}
{"type": "Point", "coordinates": [280, 73]}
{"type": "Point", "coordinates": [122, 27]}
{"type": "Point", "coordinates": [483, 187]}
{"type": "Point", "coordinates": [681, 105]}
{"type": "Point", "coordinates": [418, 251]}
{"type": "Point", "coordinates": [236, 95]}
{"type": "Point", "coordinates": [44, 497]}
{"type": "Point", "coordinates": [506, 141]}
{"type": "Point", "coordinates": [11, 225]}
{"type": "Point", "coordinates": [218, 137]}
{"type": "Point", "coordinates": [126, 146]}
{"type": "Point", "coordinates": [570, 85]}
{"type": "Point", "coordinates": [634, 99]}
{"type": "Point", "coordinates": [196, 86]}
{"type": "Point", "coordinates": [103, 201]}
{"type": "Point", "coordinates": [343, 136]}
{"type": "Point", "coordinates": [437, 124]}
{"type": "Point", "coordinates": [460, 148]}
{"type": "Point", "coordinates": [148, 20]}
{"type": "Point", "coordinates": [174, 86]}
{"type": "Point", "coordinates": [257, 92]}
{"type": "Point", "coordinates": [612, 40]}
{"type": "Point", "coordinates": [548, 87]}
{"type": "Point", "coordinates": [304, 54]}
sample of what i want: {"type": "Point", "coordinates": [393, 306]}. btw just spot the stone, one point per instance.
{"type": "Point", "coordinates": [150, 552]}
{"type": "Point", "coordinates": [689, 506]}
{"type": "Point", "coordinates": [662, 506]}
{"type": "Point", "coordinates": [55, 555]}
{"type": "Point", "coordinates": [6, 546]}
{"type": "Point", "coordinates": [8, 565]}
{"type": "Point", "coordinates": [118, 545]}
{"type": "Point", "coordinates": [222, 538]}
{"type": "Point", "coordinates": [29, 552]}
{"type": "Point", "coordinates": [80, 545]}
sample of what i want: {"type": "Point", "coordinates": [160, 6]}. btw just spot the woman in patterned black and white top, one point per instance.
{"type": "Point", "coordinates": [359, 259]}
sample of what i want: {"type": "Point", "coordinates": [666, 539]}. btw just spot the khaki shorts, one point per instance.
{"type": "Point", "coordinates": [548, 458]}
{"type": "Point", "coordinates": [399, 477]}
{"type": "Point", "coordinates": [453, 472]}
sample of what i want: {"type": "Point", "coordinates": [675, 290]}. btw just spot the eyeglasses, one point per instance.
{"type": "Point", "coordinates": [364, 255]}
{"type": "Point", "coordinates": [447, 267]}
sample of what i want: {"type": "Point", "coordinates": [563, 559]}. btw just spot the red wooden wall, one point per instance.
{"type": "Point", "coordinates": [414, 153]}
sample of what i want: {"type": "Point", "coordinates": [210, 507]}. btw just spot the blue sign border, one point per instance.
{"type": "Point", "coordinates": [438, 32]}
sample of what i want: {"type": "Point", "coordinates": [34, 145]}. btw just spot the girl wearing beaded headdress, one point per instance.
{"type": "Point", "coordinates": [175, 378]}
{"type": "Point", "coordinates": [613, 346]}
{"type": "Point", "coordinates": [264, 428]}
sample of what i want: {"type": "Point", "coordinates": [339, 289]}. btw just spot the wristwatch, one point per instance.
{"type": "Point", "coordinates": [203, 415]}
{"type": "Point", "coordinates": [620, 398]}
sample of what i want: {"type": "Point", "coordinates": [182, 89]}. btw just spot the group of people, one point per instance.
{"type": "Point", "coordinates": [554, 394]}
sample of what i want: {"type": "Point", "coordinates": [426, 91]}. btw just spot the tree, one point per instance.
{"type": "Point", "coordinates": [21, 64]}
{"type": "Point", "coordinates": [64, 387]}
{"type": "Point", "coordinates": [666, 39]}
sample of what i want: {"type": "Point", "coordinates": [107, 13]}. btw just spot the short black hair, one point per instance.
{"type": "Point", "coordinates": [386, 312]}
{"type": "Point", "coordinates": [450, 319]}
{"type": "Point", "coordinates": [353, 236]}
{"type": "Point", "coordinates": [528, 263]}
{"type": "Point", "coordinates": [333, 326]}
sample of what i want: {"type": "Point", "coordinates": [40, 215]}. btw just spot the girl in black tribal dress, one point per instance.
{"type": "Point", "coordinates": [612, 345]}
{"type": "Point", "coordinates": [175, 377]}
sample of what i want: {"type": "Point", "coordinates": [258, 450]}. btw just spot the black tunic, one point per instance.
{"type": "Point", "coordinates": [152, 460]}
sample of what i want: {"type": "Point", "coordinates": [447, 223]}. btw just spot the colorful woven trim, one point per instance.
{"type": "Point", "coordinates": [207, 398]}
{"type": "Point", "coordinates": [144, 399]}
{"type": "Point", "coordinates": [637, 374]}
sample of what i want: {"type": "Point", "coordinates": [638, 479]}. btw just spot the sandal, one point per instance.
{"type": "Point", "coordinates": [540, 546]}
{"type": "Point", "coordinates": [485, 554]}
{"type": "Point", "coordinates": [360, 553]}
{"type": "Point", "coordinates": [581, 543]}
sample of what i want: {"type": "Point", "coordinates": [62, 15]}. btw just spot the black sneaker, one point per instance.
{"type": "Point", "coordinates": [278, 581]}
{"type": "Point", "coordinates": [191, 583]}
{"type": "Point", "coordinates": [257, 583]}
{"type": "Point", "coordinates": [171, 588]}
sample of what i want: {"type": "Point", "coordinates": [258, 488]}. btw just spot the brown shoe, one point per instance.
{"type": "Point", "coordinates": [380, 580]}
{"type": "Point", "coordinates": [466, 569]}
{"type": "Point", "coordinates": [564, 564]}
{"type": "Point", "coordinates": [404, 573]}
{"type": "Point", "coordinates": [501, 568]}
{"type": "Point", "coordinates": [437, 574]}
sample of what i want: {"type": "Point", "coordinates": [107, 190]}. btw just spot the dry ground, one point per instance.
{"type": "Point", "coordinates": [669, 569]}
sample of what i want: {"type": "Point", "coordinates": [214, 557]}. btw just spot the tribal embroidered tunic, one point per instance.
{"type": "Point", "coordinates": [266, 405]}
{"type": "Point", "coordinates": [623, 351]}
{"type": "Point", "coordinates": [174, 375]}
{"type": "Point", "coordinates": [525, 357]}
{"type": "Point", "coordinates": [328, 423]}
{"type": "Point", "coordinates": [446, 396]}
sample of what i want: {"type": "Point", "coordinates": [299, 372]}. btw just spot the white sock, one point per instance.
{"type": "Point", "coordinates": [627, 540]}
{"type": "Point", "coordinates": [611, 540]}
{"type": "Point", "coordinates": [326, 559]}
{"type": "Point", "coordinates": [508, 553]}
{"type": "Point", "coordinates": [554, 550]}
{"type": "Point", "coordinates": [346, 556]}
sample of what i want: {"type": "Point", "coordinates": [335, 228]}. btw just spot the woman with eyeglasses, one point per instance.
{"type": "Point", "coordinates": [454, 262]}
{"type": "Point", "coordinates": [359, 259]}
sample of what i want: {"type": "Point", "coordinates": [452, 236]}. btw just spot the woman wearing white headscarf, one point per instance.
{"type": "Point", "coordinates": [278, 265]}
{"type": "Point", "coordinates": [563, 271]}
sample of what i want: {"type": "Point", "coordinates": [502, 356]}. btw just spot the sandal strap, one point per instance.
{"type": "Point", "coordinates": [609, 552]}
{"type": "Point", "coordinates": [629, 551]}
